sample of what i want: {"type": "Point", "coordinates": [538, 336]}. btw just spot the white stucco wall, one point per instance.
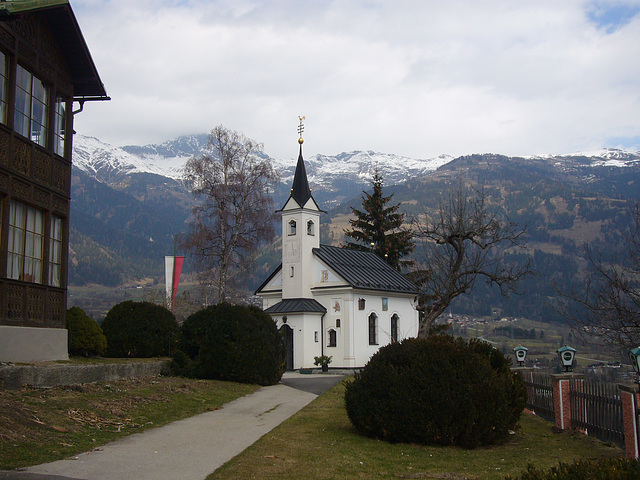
{"type": "Point", "coordinates": [352, 347]}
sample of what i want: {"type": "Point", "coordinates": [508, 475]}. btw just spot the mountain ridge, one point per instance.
{"type": "Point", "coordinates": [128, 207]}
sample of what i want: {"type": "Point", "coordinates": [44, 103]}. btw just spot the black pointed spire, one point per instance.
{"type": "Point", "coordinates": [300, 190]}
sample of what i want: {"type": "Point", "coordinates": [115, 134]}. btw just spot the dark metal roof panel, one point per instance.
{"type": "Point", "coordinates": [297, 305]}
{"type": "Point", "coordinates": [300, 189]}
{"type": "Point", "coordinates": [364, 270]}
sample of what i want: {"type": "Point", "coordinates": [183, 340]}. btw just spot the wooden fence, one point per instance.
{"type": "Point", "coordinates": [540, 395]}
{"type": "Point", "coordinates": [596, 409]}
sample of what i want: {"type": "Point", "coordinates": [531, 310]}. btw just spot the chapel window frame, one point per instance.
{"type": "Point", "coordinates": [373, 329]}
{"type": "Point", "coordinates": [332, 338]}
{"type": "Point", "coordinates": [395, 323]}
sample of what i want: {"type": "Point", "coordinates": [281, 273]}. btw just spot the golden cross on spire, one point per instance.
{"type": "Point", "coordinates": [301, 129]}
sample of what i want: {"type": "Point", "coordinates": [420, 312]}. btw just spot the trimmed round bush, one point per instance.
{"type": "Point", "coordinates": [233, 343]}
{"type": "Point", "coordinates": [140, 330]}
{"type": "Point", "coordinates": [438, 390]}
{"type": "Point", "coordinates": [609, 469]}
{"type": "Point", "coordinates": [85, 335]}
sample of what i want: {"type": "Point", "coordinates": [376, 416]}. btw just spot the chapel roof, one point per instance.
{"type": "Point", "coordinates": [364, 270]}
{"type": "Point", "coordinates": [297, 305]}
{"type": "Point", "coordinates": [300, 190]}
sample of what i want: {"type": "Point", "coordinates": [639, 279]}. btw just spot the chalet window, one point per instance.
{"type": "Point", "coordinates": [292, 227]}
{"type": "Point", "coordinates": [333, 338]}
{"type": "Point", "coordinates": [394, 327]}
{"type": "Point", "coordinates": [55, 251]}
{"type": "Point", "coordinates": [25, 243]}
{"type": "Point", "coordinates": [31, 112]}
{"type": "Point", "coordinates": [310, 228]}
{"type": "Point", "coordinates": [373, 329]}
{"type": "Point", "coordinates": [4, 81]}
{"type": "Point", "coordinates": [60, 125]}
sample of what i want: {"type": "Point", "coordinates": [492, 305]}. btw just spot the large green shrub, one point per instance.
{"type": "Point", "coordinates": [439, 390]}
{"type": "Point", "coordinates": [234, 343]}
{"type": "Point", "coordinates": [139, 330]}
{"type": "Point", "coordinates": [85, 336]}
{"type": "Point", "coordinates": [609, 469]}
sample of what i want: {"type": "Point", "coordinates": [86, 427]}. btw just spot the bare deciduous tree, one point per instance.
{"type": "Point", "coordinates": [608, 305]}
{"type": "Point", "coordinates": [235, 214]}
{"type": "Point", "coordinates": [465, 240]}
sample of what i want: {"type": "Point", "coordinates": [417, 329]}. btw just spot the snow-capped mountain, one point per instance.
{"type": "Point", "coordinates": [129, 204]}
{"type": "Point", "coordinates": [104, 162]}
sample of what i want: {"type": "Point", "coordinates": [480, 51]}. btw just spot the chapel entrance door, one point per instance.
{"type": "Point", "coordinates": [287, 335]}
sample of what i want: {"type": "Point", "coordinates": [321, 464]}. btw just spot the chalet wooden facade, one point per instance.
{"type": "Point", "coordinates": [45, 66]}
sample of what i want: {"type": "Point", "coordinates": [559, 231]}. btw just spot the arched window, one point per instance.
{"type": "Point", "coordinates": [292, 227]}
{"type": "Point", "coordinates": [394, 327]}
{"type": "Point", "coordinates": [333, 338]}
{"type": "Point", "coordinates": [373, 329]}
{"type": "Point", "coordinates": [310, 228]}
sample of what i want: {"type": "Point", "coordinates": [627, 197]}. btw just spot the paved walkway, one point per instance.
{"type": "Point", "coordinates": [191, 448]}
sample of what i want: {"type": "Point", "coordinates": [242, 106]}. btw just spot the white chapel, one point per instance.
{"type": "Point", "coordinates": [330, 300]}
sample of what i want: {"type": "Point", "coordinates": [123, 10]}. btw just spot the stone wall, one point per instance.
{"type": "Point", "coordinates": [16, 376]}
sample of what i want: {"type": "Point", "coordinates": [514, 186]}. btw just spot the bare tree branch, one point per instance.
{"type": "Point", "coordinates": [608, 304]}
{"type": "Point", "coordinates": [464, 241]}
{"type": "Point", "coordinates": [235, 214]}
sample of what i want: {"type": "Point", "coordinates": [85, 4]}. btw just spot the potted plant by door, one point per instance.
{"type": "Point", "coordinates": [323, 361]}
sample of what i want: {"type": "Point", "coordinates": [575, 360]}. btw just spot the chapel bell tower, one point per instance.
{"type": "Point", "coordinates": [300, 233]}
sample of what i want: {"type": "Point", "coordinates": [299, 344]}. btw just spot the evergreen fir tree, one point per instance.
{"type": "Point", "coordinates": [378, 227]}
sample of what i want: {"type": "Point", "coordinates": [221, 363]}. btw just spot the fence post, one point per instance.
{"type": "Point", "coordinates": [562, 398]}
{"type": "Point", "coordinates": [630, 396]}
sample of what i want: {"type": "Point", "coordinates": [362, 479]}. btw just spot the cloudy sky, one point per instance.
{"type": "Point", "coordinates": [416, 78]}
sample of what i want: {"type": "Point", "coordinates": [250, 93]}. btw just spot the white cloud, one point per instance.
{"type": "Point", "coordinates": [416, 78]}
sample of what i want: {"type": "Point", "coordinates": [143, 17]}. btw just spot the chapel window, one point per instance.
{"type": "Point", "coordinates": [292, 227]}
{"type": "Point", "coordinates": [373, 329]}
{"type": "Point", "coordinates": [361, 303]}
{"type": "Point", "coordinates": [333, 338]}
{"type": "Point", "coordinates": [25, 243]}
{"type": "Point", "coordinates": [31, 107]}
{"type": "Point", "coordinates": [310, 228]}
{"type": "Point", "coordinates": [394, 327]}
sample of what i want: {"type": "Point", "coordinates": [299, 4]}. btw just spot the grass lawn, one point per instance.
{"type": "Point", "coordinates": [43, 425]}
{"type": "Point", "coordinates": [320, 443]}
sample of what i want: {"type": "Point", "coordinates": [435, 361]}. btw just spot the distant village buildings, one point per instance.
{"type": "Point", "coordinates": [45, 66]}
{"type": "Point", "coordinates": [329, 300]}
